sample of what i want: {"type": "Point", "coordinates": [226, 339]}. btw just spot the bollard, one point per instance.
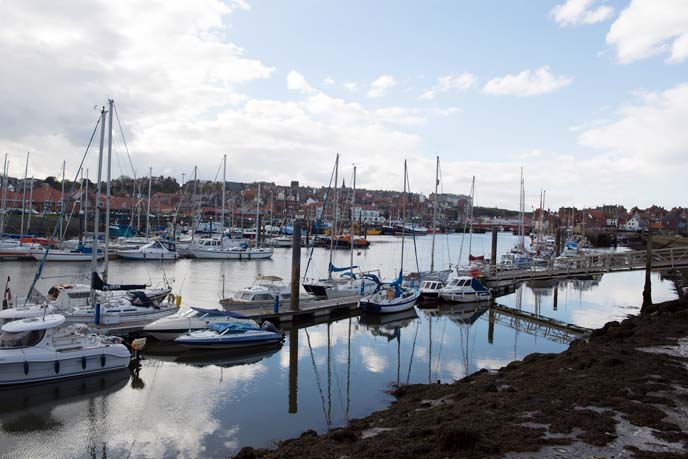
{"type": "Point", "coordinates": [275, 307]}
{"type": "Point", "coordinates": [97, 313]}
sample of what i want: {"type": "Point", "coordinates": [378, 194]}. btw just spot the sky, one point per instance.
{"type": "Point", "coordinates": [589, 97]}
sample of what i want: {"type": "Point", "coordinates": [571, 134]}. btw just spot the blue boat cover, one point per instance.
{"type": "Point", "coordinates": [477, 286]}
{"type": "Point", "coordinates": [571, 245]}
{"type": "Point", "coordinates": [334, 269]}
{"type": "Point", "coordinates": [232, 327]}
{"type": "Point", "coordinates": [372, 277]}
{"type": "Point", "coordinates": [219, 312]}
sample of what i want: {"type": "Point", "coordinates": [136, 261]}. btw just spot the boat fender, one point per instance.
{"type": "Point", "coordinates": [26, 367]}
{"type": "Point", "coordinates": [102, 360]}
{"type": "Point", "coordinates": [178, 300]}
{"type": "Point", "coordinates": [93, 339]}
{"type": "Point", "coordinates": [83, 362]}
{"type": "Point", "coordinates": [57, 366]}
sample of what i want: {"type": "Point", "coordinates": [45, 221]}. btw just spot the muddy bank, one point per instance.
{"type": "Point", "coordinates": [622, 392]}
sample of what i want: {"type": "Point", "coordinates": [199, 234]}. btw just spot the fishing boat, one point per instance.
{"type": "Point", "coordinates": [156, 250]}
{"type": "Point", "coordinates": [430, 289]}
{"type": "Point", "coordinates": [42, 349]}
{"type": "Point", "coordinates": [193, 319]}
{"type": "Point", "coordinates": [465, 289]}
{"type": "Point", "coordinates": [392, 297]}
{"type": "Point", "coordinates": [230, 335]}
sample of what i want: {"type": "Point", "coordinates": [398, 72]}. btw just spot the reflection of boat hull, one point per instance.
{"type": "Point", "coordinates": [400, 319]}
{"type": "Point", "coordinates": [228, 358]}
{"type": "Point", "coordinates": [466, 297]}
{"type": "Point", "coordinates": [22, 398]}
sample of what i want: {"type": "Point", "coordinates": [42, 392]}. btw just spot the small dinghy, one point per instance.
{"type": "Point", "coordinates": [231, 335]}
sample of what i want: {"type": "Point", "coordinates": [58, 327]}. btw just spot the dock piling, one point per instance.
{"type": "Point", "coordinates": [493, 254]}
{"type": "Point", "coordinates": [296, 266]}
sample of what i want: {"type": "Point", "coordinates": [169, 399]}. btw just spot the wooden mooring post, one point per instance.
{"type": "Point", "coordinates": [647, 290]}
{"type": "Point", "coordinates": [493, 254]}
{"type": "Point", "coordinates": [296, 266]}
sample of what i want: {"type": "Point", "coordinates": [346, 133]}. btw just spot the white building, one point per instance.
{"type": "Point", "coordinates": [633, 223]}
{"type": "Point", "coordinates": [366, 215]}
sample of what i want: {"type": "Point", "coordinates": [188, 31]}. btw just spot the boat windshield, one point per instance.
{"type": "Point", "coordinates": [190, 313]}
{"type": "Point", "coordinates": [22, 339]}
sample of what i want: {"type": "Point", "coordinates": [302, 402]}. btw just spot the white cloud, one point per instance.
{"type": "Point", "coordinates": [447, 83]}
{"type": "Point", "coordinates": [574, 12]}
{"type": "Point", "coordinates": [527, 83]}
{"type": "Point", "coordinates": [351, 86]}
{"type": "Point", "coordinates": [296, 82]}
{"type": "Point", "coordinates": [328, 81]}
{"type": "Point", "coordinates": [650, 27]}
{"type": "Point", "coordinates": [653, 129]}
{"type": "Point", "coordinates": [380, 86]}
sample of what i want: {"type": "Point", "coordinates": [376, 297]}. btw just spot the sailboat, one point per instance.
{"type": "Point", "coordinates": [350, 283]}
{"type": "Point", "coordinates": [208, 249]}
{"type": "Point", "coordinates": [392, 297]}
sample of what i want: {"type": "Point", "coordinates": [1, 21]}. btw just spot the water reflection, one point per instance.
{"type": "Point", "coordinates": [329, 371]}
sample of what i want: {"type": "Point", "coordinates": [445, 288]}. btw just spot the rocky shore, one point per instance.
{"type": "Point", "coordinates": [621, 392]}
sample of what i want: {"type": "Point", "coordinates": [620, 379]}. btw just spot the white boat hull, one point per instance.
{"type": "Point", "coordinates": [466, 297]}
{"type": "Point", "coordinates": [136, 255]}
{"type": "Point", "coordinates": [384, 306]}
{"type": "Point", "coordinates": [250, 254]}
{"type": "Point", "coordinates": [45, 366]}
{"type": "Point", "coordinates": [57, 256]}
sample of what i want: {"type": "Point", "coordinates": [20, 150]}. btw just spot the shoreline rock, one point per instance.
{"type": "Point", "coordinates": [622, 390]}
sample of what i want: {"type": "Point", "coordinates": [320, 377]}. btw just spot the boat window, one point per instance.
{"type": "Point", "coordinates": [78, 295]}
{"type": "Point", "coordinates": [285, 296]}
{"type": "Point", "coordinates": [246, 296]}
{"type": "Point", "coordinates": [189, 313]}
{"type": "Point", "coordinates": [262, 297]}
{"type": "Point", "coordinates": [23, 339]}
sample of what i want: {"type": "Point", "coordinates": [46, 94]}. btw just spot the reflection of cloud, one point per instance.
{"type": "Point", "coordinates": [371, 360]}
{"type": "Point", "coordinates": [491, 364]}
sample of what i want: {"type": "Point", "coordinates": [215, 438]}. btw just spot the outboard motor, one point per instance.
{"type": "Point", "coordinates": [269, 326]}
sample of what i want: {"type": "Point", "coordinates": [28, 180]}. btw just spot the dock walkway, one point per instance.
{"type": "Point", "coordinates": [596, 263]}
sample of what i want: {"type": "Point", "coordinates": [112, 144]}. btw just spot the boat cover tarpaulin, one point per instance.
{"type": "Point", "coordinates": [220, 312]}
{"type": "Point", "coordinates": [477, 286]}
{"type": "Point", "coordinates": [334, 269]}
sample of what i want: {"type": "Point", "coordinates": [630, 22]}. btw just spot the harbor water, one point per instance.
{"type": "Point", "coordinates": [210, 404]}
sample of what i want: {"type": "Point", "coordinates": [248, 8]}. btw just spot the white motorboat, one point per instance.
{"type": "Point", "coordinates": [281, 241]}
{"type": "Point", "coordinates": [571, 249]}
{"type": "Point", "coordinates": [465, 289]}
{"type": "Point", "coordinates": [193, 319]}
{"type": "Point", "coordinates": [14, 249]}
{"type": "Point", "coordinates": [430, 289]}
{"type": "Point", "coordinates": [231, 336]}
{"type": "Point", "coordinates": [262, 294]}
{"type": "Point", "coordinates": [156, 250]}
{"type": "Point", "coordinates": [44, 349]}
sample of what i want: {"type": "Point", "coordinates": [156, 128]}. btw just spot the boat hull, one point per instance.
{"type": "Point", "coordinates": [388, 308]}
{"type": "Point", "coordinates": [36, 369]}
{"type": "Point", "coordinates": [232, 255]}
{"type": "Point", "coordinates": [220, 343]}
{"type": "Point", "coordinates": [136, 255]}
{"type": "Point", "coordinates": [469, 297]}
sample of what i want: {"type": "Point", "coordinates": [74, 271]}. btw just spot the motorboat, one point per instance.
{"type": "Point", "coordinates": [42, 349]}
{"type": "Point", "coordinates": [465, 289]}
{"type": "Point", "coordinates": [122, 311]}
{"type": "Point", "coordinates": [430, 289]}
{"type": "Point", "coordinates": [15, 249]}
{"type": "Point", "coordinates": [192, 319]}
{"type": "Point", "coordinates": [230, 335]}
{"type": "Point", "coordinates": [262, 294]}
{"type": "Point", "coordinates": [156, 250]}
{"type": "Point", "coordinates": [282, 241]}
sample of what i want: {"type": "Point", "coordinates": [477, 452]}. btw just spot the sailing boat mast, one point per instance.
{"type": "Point", "coordinates": [107, 192]}
{"type": "Point", "coordinates": [26, 173]}
{"type": "Point", "coordinates": [94, 253]}
{"type": "Point", "coordinates": [150, 182]}
{"type": "Point", "coordinates": [4, 194]}
{"type": "Point", "coordinates": [521, 230]}
{"type": "Point", "coordinates": [62, 202]}
{"type": "Point", "coordinates": [334, 216]}
{"type": "Point", "coordinates": [224, 184]}
{"type": "Point", "coordinates": [403, 223]}
{"type": "Point", "coordinates": [353, 204]}
{"type": "Point", "coordinates": [434, 216]}
{"type": "Point", "coordinates": [470, 222]}
{"type": "Point", "coordinates": [28, 220]}
{"type": "Point", "coordinates": [257, 216]}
